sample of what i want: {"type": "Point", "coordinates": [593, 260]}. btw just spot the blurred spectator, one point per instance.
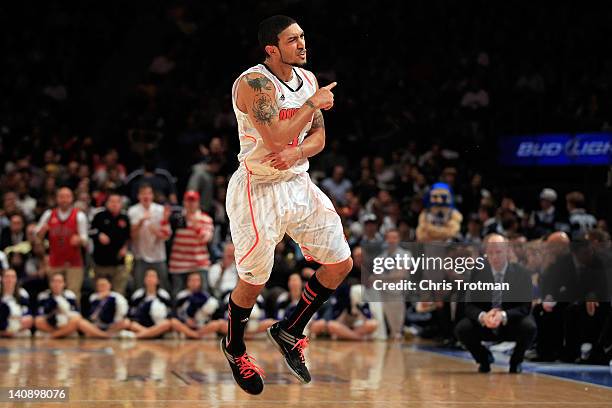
{"type": "Point", "coordinates": [149, 231]}
{"type": "Point", "coordinates": [545, 220]}
{"type": "Point", "coordinates": [192, 231]}
{"type": "Point", "coordinates": [14, 233]}
{"type": "Point", "coordinates": [66, 228]}
{"type": "Point", "coordinates": [573, 286]}
{"type": "Point", "coordinates": [201, 180]}
{"type": "Point", "coordinates": [371, 235]}
{"type": "Point", "coordinates": [103, 172]}
{"type": "Point", "coordinates": [108, 309]}
{"type": "Point", "coordinates": [352, 319]}
{"type": "Point", "coordinates": [395, 309]}
{"type": "Point", "coordinates": [337, 185]}
{"type": "Point", "coordinates": [354, 276]}
{"type": "Point", "coordinates": [57, 309]}
{"type": "Point", "coordinates": [486, 214]}
{"type": "Point", "coordinates": [474, 229]}
{"type": "Point", "coordinates": [15, 312]}
{"type": "Point", "coordinates": [580, 221]}
{"type": "Point", "coordinates": [392, 219]}
{"type": "Point", "coordinates": [474, 194]}
{"type": "Point", "coordinates": [36, 270]}
{"type": "Point", "coordinates": [195, 309]}
{"type": "Point", "coordinates": [25, 202]}
{"type": "Point", "coordinates": [384, 175]}
{"type": "Point", "coordinates": [475, 98]}
{"type": "Point", "coordinates": [110, 232]}
{"type": "Point", "coordinates": [287, 302]}
{"type": "Point", "coordinates": [4, 263]}
{"type": "Point", "coordinates": [223, 275]}
{"type": "Point", "coordinates": [160, 180]}
{"type": "Point", "coordinates": [150, 308]}
{"type": "Point", "coordinates": [9, 208]}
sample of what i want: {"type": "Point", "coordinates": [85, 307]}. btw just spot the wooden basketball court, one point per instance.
{"type": "Point", "coordinates": [172, 373]}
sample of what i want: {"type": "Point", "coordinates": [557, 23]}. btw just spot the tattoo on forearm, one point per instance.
{"type": "Point", "coordinates": [264, 109]}
{"type": "Point", "coordinates": [317, 121]}
{"type": "Point", "coordinates": [309, 104]}
{"type": "Point", "coordinates": [259, 84]}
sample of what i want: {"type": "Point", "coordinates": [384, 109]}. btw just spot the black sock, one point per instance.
{"type": "Point", "coordinates": [313, 297]}
{"type": "Point", "coordinates": [238, 318]}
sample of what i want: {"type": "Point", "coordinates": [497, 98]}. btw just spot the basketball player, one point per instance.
{"type": "Point", "coordinates": [278, 109]}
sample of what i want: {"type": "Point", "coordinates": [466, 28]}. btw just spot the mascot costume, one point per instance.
{"type": "Point", "coordinates": [439, 221]}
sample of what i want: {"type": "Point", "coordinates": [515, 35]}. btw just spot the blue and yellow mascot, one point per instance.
{"type": "Point", "coordinates": [440, 220]}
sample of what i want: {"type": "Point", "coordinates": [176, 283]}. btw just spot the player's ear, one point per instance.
{"type": "Point", "coordinates": [270, 50]}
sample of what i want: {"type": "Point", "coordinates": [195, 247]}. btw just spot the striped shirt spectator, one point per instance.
{"type": "Point", "coordinates": [193, 230]}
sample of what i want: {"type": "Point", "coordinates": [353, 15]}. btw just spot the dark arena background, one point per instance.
{"type": "Point", "coordinates": [502, 110]}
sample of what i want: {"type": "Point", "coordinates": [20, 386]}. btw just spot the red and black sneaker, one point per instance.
{"type": "Point", "coordinates": [248, 375]}
{"type": "Point", "coordinates": [292, 348]}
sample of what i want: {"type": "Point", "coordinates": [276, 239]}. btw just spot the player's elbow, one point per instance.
{"type": "Point", "coordinates": [321, 144]}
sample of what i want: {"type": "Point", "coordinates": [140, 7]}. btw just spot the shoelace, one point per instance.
{"type": "Point", "coordinates": [247, 366]}
{"type": "Point", "coordinates": [301, 345]}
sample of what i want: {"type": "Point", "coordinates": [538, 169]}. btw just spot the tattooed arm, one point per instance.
{"type": "Point", "coordinates": [314, 143]}
{"type": "Point", "coordinates": [256, 97]}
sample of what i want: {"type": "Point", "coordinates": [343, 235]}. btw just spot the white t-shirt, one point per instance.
{"type": "Point", "coordinates": [229, 280]}
{"type": "Point", "coordinates": [4, 264]}
{"type": "Point", "coordinates": [146, 246]}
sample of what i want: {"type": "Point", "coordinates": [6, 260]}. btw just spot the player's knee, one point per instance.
{"type": "Point", "coordinates": [245, 294]}
{"type": "Point", "coordinates": [349, 265]}
{"type": "Point", "coordinates": [342, 268]}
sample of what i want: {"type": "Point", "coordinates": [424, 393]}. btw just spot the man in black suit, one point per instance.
{"type": "Point", "coordinates": [498, 314]}
{"type": "Point", "coordinates": [576, 283]}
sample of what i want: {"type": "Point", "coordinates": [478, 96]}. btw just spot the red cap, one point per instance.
{"type": "Point", "coordinates": [191, 195]}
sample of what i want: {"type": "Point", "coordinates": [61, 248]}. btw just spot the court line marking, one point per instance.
{"type": "Point", "coordinates": [180, 377]}
{"type": "Point", "coordinates": [466, 361]}
{"type": "Point", "coordinates": [443, 402]}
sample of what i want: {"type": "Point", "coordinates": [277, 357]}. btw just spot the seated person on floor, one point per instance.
{"type": "Point", "coordinates": [194, 310]}
{"type": "Point", "coordinates": [57, 309]}
{"type": "Point", "coordinates": [150, 308]}
{"type": "Point", "coordinates": [15, 315]}
{"type": "Point", "coordinates": [108, 311]}
{"type": "Point", "coordinates": [351, 320]}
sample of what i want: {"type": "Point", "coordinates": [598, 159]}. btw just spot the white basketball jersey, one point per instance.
{"type": "Point", "coordinates": [252, 148]}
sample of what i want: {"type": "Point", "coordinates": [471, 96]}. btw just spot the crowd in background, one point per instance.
{"type": "Point", "coordinates": [146, 166]}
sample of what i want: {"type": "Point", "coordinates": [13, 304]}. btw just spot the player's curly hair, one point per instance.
{"type": "Point", "coordinates": [270, 28]}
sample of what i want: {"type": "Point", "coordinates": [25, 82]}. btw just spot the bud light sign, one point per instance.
{"type": "Point", "coordinates": [581, 149]}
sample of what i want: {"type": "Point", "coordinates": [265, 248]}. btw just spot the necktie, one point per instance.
{"type": "Point", "coordinates": [497, 294]}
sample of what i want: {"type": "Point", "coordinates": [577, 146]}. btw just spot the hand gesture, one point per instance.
{"type": "Point", "coordinates": [75, 240]}
{"type": "Point", "coordinates": [324, 98]}
{"type": "Point", "coordinates": [104, 239]}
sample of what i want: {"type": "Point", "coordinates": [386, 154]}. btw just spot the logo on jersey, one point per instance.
{"type": "Point", "coordinates": [287, 113]}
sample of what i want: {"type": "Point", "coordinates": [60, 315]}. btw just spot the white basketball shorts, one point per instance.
{"type": "Point", "coordinates": [262, 211]}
